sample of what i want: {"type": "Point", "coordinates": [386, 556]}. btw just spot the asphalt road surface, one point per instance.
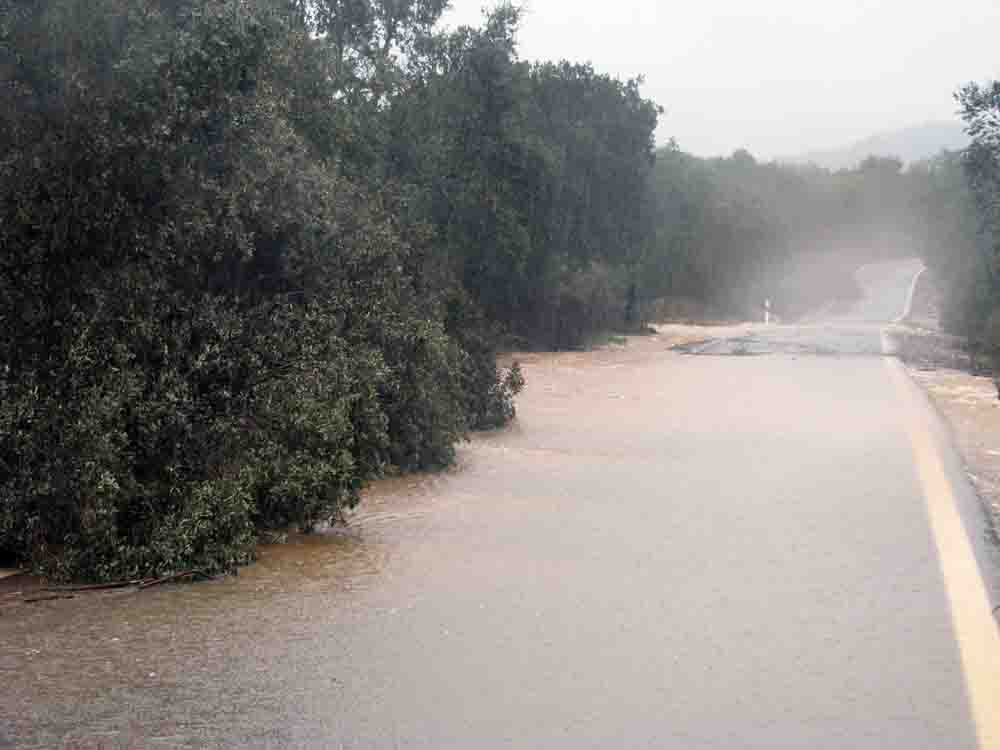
{"type": "Point", "coordinates": [771, 545]}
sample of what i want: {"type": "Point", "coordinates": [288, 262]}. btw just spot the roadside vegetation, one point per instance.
{"type": "Point", "coordinates": [959, 197]}
{"type": "Point", "coordinates": [257, 253]}
{"type": "Point", "coordinates": [967, 201]}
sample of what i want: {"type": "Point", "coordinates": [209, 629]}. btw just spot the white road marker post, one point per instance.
{"type": "Point", "coordinates": [767, 312]}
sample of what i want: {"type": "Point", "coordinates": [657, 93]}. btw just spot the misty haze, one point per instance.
{"type": "Point", "coordinates": [382, 374]}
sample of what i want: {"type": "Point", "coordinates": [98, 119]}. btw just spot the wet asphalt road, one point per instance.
{"type": "Point", "coordinates": [667, 551]}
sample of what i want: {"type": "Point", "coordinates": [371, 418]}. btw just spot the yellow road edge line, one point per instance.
{"type": "Point", "coordinates": [974, 626]}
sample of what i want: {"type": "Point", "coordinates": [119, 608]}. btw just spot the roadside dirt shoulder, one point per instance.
{"type": "Point", "coordinates": [970, 405]}
{"type": "Point", "coordinates": [941, 365]}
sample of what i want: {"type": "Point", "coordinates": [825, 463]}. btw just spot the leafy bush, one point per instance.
{"type": "Point", "coordinates": [209, 329]}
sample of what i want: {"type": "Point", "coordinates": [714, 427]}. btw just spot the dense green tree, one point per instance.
{"type": "Point", "coordinates": [534, 177]}
{"type": "Point", "coordinates": [211, 324]}
{"type": "Point", "coordinates": [977, 296]}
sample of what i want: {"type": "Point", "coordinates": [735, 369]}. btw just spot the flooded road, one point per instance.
{"type": "Point", "coordinates": [666, 551]}
{"type": "Point", "coordinates": [856, 331]}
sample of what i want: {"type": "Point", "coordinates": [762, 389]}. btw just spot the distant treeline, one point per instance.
{"type": "Point", "coordinates": [731, 232]}
{"type": "Point", "coordinates": [257, 253]}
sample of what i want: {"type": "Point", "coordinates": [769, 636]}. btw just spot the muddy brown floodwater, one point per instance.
{"type": "Point", "coordinates": [665, 551]}
{"type": "Point", "coordinates": [231, 661]}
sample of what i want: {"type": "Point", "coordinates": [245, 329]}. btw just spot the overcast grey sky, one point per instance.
{"type": "Point", "coordinates": [777, 77]}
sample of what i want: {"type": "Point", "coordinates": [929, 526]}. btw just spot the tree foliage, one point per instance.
{"type": "Point", "coordinates": [975, 282]}
{"type": "Point", "coordinates": [211, 324]}
{"type": "Point", "coordinates": [533, 177]}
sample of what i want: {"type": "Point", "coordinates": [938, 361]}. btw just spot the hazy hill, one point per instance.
{"type": "Point", "coordinates": [909, 144]}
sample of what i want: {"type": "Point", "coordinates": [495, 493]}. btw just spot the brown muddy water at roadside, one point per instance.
{"type": "Point", "coordinates": [102, 669]}
{"type": "Point", "coordinates": [663, 551]}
